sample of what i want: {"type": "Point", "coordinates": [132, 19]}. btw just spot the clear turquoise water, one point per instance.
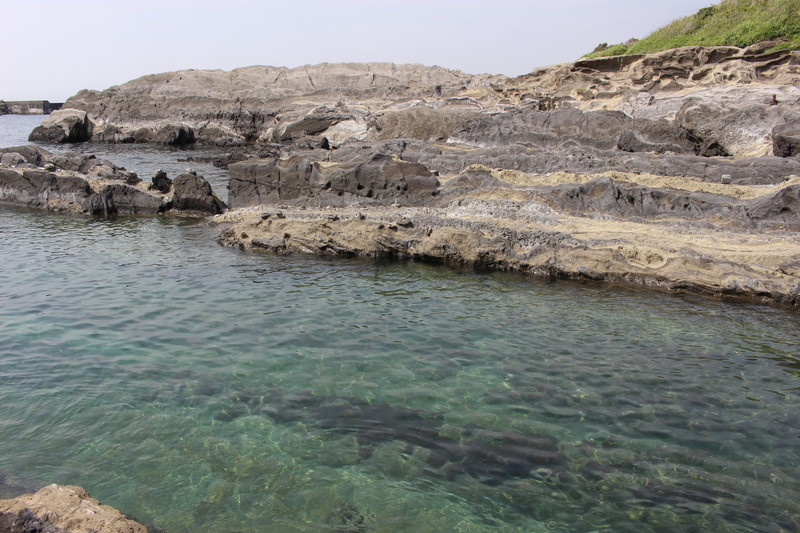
{"type": "Point", "coordinates": [198, 388]}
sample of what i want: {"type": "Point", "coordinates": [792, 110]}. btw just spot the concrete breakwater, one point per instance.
{"type": "Point", "coordinates": [29, 107]}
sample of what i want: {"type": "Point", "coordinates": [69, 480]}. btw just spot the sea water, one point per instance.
{"type": "Point", "coordinates": [199, 388]}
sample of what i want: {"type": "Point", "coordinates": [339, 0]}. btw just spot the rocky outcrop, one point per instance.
{"type": "Point", "coordinates": [532, 238]}
{"type": "Point", "coordinates": [64, 126]}
{"type": "Point", "coordinates": [269, 103]}
{"type": "Point", "coordinates": [731, 231]}
{"type": "Point", "coordinates": [731, 99]}
{"type": "Point", "coordinates": [62, 509]}
{"type": "Point", "coordinates": [83, 184]}
{"type": "Point", "coordinates": [582, 170]}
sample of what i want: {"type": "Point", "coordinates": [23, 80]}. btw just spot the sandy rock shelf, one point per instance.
{"type": "Point", "coordinates": [670, 255]}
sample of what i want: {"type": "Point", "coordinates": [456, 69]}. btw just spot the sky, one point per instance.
{"type": "Point", "coordinates": [54, 48]}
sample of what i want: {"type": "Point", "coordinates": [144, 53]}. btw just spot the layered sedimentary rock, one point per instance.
{"type": "Point", "coordinates": [83, 184]}
{"type": "Point", "coordinates": [733, 230]}
{"type": "Point", "coordinates": [666, 169]}
{"type": "Point", "coordinates": [63, 509]}
{"type": "Point", "coordinates": [720, 100]}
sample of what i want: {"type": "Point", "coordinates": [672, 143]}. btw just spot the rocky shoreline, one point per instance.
{"type": "Point", "coordinates": [678, 170]}
{"type": "Point", "coordinates": [84, 184]}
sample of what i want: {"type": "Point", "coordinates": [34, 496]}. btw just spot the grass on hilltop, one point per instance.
{"type": "Point", "coordinates": [729, 23]}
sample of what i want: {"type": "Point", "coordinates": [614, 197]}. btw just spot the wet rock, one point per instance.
{"type": "Point", "coordinates": [64, 126]}
{"type": "Point", "coordinates": [41, 189]}
{"type": "Point", "coordinates": [193, 193]}
{"type": "Point", "coordinates": [119, 199]}
{"type": "Point", "coordinates": [160, 182]}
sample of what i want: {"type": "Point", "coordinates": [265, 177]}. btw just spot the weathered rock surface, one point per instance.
{"type": "Point", "coordinates": [731, 99]}
{"type": "Point", "coordinates": [193, 193]}
{"type": "Point", "coordinates": [83, 184]}
{"type": "Point", "coordinates": [666, 169]}
{"type": "Point", "coordinates": [63, 509]}
{"type": "Point", "coordinates": [732, 236]}
{"type": "Point", "coordinates": [786, 139]}
{"type": "Point", "coordinates": [64, 126]}
{"type": "Point", "coordinates": [375, 179]}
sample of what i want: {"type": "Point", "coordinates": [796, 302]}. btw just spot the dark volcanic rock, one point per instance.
{"type": "Point", "coordinates": [26, 522]}
{"type": "Point", "coordinates": [32, 154]}
{"type": "Point", "coordinates": [367, 179]}
{"type": "Point", "coordinates": [38, 188]}
{"type": "Point", "coordinates": [125, 199]}
{"type": "Point", "coordinates": [193, 193]}
{"type": "Point", "coordinates": [64, 126]}
{"type": "Point", "coordinates": [786, 140]}
{"type": "Point", "coordinates": [160, 182]}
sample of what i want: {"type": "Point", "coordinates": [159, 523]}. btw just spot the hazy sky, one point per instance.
{"type": "Point", "coordinates": [54, 48]}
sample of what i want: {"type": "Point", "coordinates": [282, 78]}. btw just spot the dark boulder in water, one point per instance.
{"type": "Point", "coordinates": [193, 193]}
{"type": "Point", "coordinates": [160, 182]}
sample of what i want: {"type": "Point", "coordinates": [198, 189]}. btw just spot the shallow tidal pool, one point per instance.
{"type": "Point", "coordinates": [198, 388]}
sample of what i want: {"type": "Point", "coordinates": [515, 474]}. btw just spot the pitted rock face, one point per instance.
{"type": "Point", "coordinates": [368, 179]}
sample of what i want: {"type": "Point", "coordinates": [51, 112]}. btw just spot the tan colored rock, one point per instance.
{"type": "Point", "coordinates": [71, 509]}
{"type": "Point", "coordinates": [509, 220]}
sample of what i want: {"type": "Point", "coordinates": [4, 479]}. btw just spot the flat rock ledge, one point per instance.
{"type": "Point", "coordinates": [563, 226]}
{"type": "Point", "coordinates": [63, 509]}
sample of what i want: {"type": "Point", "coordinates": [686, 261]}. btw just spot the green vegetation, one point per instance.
{"type": "Point", "coordinates": [729, 23]}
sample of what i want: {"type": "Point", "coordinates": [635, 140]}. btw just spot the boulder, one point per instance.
{"type": "Point", "coordinates": [12, 159]}
{"type": "Point", "coordinates": [174, 135]}
{"type": "Point", "coordinates": [112, 134]}
{"type": "Point", "coordinates": [32, 154]}
{"type": "Point", "coordinates": [64, 126]}
{"type": "Point", "coordinates": [122, 199]}
{"type": "Point", "coordinates": [160, 182]}
{"type": "Point", "coordinates": [193, 193]}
